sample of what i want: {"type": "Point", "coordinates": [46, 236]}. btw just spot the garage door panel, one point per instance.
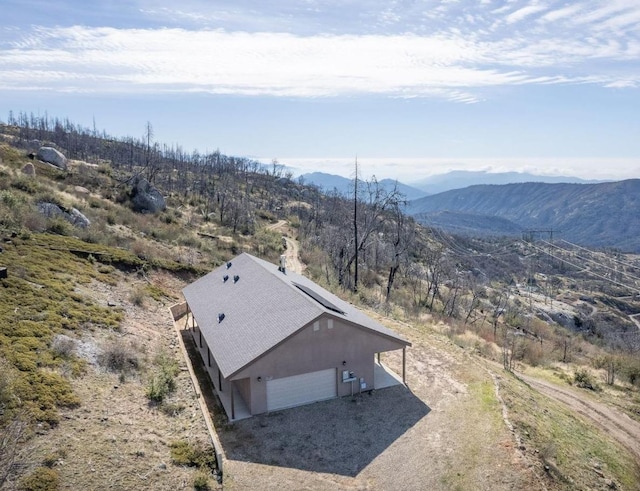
{"type": "Point", "coordinates": [301, 389]}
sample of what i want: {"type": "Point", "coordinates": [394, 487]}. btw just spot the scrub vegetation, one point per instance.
{"type": "Point", "coordinates": [89, 363]}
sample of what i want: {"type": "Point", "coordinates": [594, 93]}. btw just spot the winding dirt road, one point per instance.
{"type": "Point", "coordinates": [293, 249]}
{"type": "Point", "coordinates": [615, 423]}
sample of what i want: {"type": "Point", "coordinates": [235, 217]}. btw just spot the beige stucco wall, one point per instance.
{"type": "Point", "coordinates": [310, 350]}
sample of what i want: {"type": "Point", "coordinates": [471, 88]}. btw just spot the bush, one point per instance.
{"type": "Point", "coordinates": [201, 481]}
{"type": "Point", "coordinates": [162, 383]}
{"type": "Point", "coordinates": [583, 379]}
{"type": "Point", "coordinates": [42, 479]}
{"type": "Point", "coordinates": [118, 357]}
{"type": "Point", "coordinates": [63, 346]}
{"type": "Point", "coordinates": [192, 455]}
{"type": "Point", "coordinates": [137, 296]}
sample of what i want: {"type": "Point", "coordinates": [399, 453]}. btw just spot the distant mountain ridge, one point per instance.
{"type": "Point", "coordinates": [461, 179]}
{"type": "Point", "coordinates": [329, 182]}
{"type": "Point", "coordinates": [598, 215]}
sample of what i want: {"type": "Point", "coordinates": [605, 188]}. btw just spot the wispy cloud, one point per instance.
{"type": "Point", "coordinates": [479, 45]}
{"type": "Point", "coordinates": [523, 13]}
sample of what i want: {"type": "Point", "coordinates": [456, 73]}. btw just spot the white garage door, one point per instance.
{"type": "Point", "coordinates": [301, 389]}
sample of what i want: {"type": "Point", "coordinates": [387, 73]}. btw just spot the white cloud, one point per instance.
{"type": "Point", "coordinates": [523, 13]}
{"type": "Point", "coordinates": [562, 13]}
{"type": "Point", "coordinates": [472, 50]}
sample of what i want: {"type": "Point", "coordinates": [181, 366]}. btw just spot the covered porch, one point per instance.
{"type": "Point", "coordinates": [384, 377]}
{"type": "Point", "coordinates": [233, 403]}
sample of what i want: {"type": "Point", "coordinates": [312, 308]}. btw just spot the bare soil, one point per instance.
{"type": "Point", "coordinates": [433, 435]}
{"type": "Point", "coordinates": [116, 439]}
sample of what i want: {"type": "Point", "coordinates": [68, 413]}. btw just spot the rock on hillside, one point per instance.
{"type": "Point", "coordinates": [145, 197]}
{"type": "Point", "coordinates": [74, 216]}
{"type": "Point", "coordinates": [53, 157]}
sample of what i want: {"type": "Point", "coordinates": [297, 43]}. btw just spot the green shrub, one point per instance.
{"type": "Point", "coordinates": [192, 454]}
{"type": "Point", "coordinates": [59, 226]}
{"type": "Point", "coordinates": [583, 379]}
{"type": "Point", "coordinates": [201, 481]}
{"type": "Point", "coordinates": [41, 479]}
{"type": "Point", "coordinates": [162, 383]}
{"type": "Point", "coordinates": [26, 184]}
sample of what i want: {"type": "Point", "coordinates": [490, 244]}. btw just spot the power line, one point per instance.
{"type": "Point", "coordinates": [629, 275]}
{"type": "Point", "coordinates": [585, 270]}
{"type": "Point", "coordinates": [596, 252]}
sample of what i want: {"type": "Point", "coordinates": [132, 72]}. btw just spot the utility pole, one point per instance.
{"type": "Point", "coordinates": [355, 227]}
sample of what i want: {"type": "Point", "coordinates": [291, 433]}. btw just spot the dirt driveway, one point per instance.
{"type": "Point", "coordinates": [293, 251]}
{"type": "Point", "coordinates": [444, 432]}
{"type": "Point", "coordinates": [615, 423]}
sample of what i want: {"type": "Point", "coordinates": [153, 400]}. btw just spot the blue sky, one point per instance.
{"type": "Point", "coordinates": [412, 87]}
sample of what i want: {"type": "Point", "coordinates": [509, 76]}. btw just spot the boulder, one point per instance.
{"type": "Point", "coordinates": [50, 210]}
{"type": "Point", "coordinates": [78, 219]}
{"type": "Point", "coordinates": [29, 169]}
{"type": "Point", "coordinates": [53, 157]}
{"type": "Point", "coordinates": [81, 190]}
{"type": "Point", "coordinates": [145, 197]}
{"type": "Point", "coordinates": [74, 217]}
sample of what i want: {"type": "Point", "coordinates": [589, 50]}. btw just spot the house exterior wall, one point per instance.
{"type": "Point", "coordinates": [317, 347]}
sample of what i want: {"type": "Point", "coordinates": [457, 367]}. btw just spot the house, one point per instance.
{"type": "Point", "coordinates": [273, 339]}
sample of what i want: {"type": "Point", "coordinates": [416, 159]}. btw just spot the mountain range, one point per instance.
{"type": "Point", "coordinates": [461, 179]}
{"type": "Point", "coordinates": [439, 183]}
{"type": "Point", "coordinates": [344, 186]}
{"type": "Point", "coordinates": [597, 215]}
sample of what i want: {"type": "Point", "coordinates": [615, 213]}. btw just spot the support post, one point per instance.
{"type": "Point", "coordinates": [233, 406]}
{"type": "Point", "coordinates": [404, 365]}
{"type": "Point", "coordinates": [378, 357]}
{"type": "Point", "coordinates": [219, 380]}
{"type": "Point", "coordinates": [186, 322]}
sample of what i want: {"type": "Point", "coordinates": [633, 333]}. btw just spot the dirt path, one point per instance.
{"type": "Point", "coordinates": [293, 249]}
{"type": "Point", "coordinates": [616, 424]}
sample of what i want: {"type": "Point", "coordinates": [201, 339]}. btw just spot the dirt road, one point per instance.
{"type": "Point", "coordinates": [613, 422]}
{"type": "Point", "coordinates": [293, 249]}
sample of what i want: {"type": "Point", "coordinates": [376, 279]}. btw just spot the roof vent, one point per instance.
{"type": "Point", "coordinates": [220, 317]}
{"type": "Point", "coordinates": [225, 278]}
{"type": "Point", "coordinates": [228, 264]}
{"type": "Point", "coordinates": [236, 278]}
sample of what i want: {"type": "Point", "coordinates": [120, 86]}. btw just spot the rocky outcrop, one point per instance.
{"type": "Point", "coordinates": [73, 216]}
{"type": "Point", "coordinates": [53, 157]}
{"type": "Point", "coordinates": [29, 169]}
{"type": "Point", "coordinates": [146, 198]}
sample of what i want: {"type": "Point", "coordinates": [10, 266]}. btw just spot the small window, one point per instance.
{"type": "Point", "coordinates": [329, 323]}
{"type": "Point", "coordinates": [316, 326]}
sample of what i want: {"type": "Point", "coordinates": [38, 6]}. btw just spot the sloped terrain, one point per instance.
{"type": "Point", "coordinates": [597, 215]}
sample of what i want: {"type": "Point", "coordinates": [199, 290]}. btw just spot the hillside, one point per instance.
{"type": "Point", "coordinates": [595, 215]}
{"type": "Point", "coordinates": [95, 392]}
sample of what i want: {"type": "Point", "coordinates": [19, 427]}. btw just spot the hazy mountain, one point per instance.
{"type": "Point", "coordinates": [329, 182]}
{"type": "Point", "coordinates": [600, 215]}
{"type": "Point", "coordinates": [461, 179]}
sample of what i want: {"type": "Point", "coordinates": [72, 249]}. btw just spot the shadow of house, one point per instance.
{"type": "Point", "coordinates": [339, 436]}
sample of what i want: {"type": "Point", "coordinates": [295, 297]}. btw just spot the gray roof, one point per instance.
{"type": "Point", "coordinates": [261, 309]}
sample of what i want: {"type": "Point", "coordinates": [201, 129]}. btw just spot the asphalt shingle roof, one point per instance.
{"type": "Point", "coordinates": [261, 309]}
